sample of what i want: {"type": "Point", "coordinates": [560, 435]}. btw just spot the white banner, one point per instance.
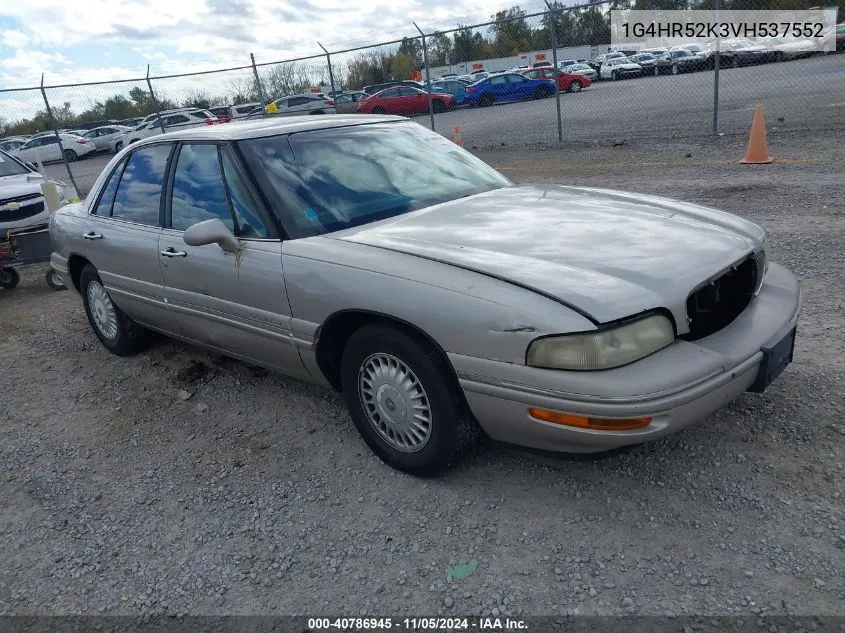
{"type": "Point", "coordinates": [638, 30]}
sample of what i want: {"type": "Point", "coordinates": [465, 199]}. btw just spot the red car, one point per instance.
{"type": "Point", "coordinates": [566, 82]}
{"type": "Point", "coordinates": [405, 100]}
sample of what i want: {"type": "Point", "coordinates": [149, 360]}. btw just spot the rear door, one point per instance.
{"type": "Point", "coordinates": [236, 304]}
{"type": "Point", "coordinates": [416, 101]}
{"type": "Point", "coordinates": [122, 234]}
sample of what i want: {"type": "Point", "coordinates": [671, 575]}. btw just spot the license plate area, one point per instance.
{"type": "Point", "coordinates": [776, 357]}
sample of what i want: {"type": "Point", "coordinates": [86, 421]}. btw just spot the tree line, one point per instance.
{"type": "Point", "coordinates": [510, 33]}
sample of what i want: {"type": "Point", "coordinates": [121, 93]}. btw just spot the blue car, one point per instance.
{"type": "Point", "coordinates": [454, 87]}
{"type": "Point", "coordinates": [507, 87]}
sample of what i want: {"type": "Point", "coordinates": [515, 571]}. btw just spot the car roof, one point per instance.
{"type": "Point", "coordinates": [271, 126]}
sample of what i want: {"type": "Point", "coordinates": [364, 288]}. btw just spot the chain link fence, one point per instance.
{"type": "Point", "coordinates": [541, 76]}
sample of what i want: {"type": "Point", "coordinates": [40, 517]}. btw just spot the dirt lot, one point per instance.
{"type": "Point", "coordinates": [257, 496]}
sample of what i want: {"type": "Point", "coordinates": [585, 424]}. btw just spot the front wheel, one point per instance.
{"type": "Point", "coordinates": [70, 155]}
{"type": "Point", "coordinates": [54, 281]}
{"type": "Point", "coordinates": [117, 332]}
{"type": "Point", "coordinates": [405, 401]}
{"type": "Point", "coordinates": [9, 278]}
{"type": "Point", "coordinates": [575, 86]}
{"type": "Point", "coordinates": [614, 75]}
{"type": "Point", "coordinates": [675, 69]}
{"type": "Point", "coordinates": [437, 106]}
{"type": "Point", "coordinates": [379, 110]}
{"type": "Point", "coordinates": [118, 146]}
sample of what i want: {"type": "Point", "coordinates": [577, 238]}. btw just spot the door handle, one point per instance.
{"type": "Point", "coordinates": [92, 235]}
{"type": "Point", "coordinates": [172, 252]}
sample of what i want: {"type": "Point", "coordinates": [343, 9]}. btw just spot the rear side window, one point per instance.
{"type": "Point", "coordinates": [103, 207]}
{"type": "Point", "coordinates": [138, 197]}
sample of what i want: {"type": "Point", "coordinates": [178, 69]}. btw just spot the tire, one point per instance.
{"type": "Point", "coordinates": [127, 337]}
{"type": "Point", "coordinates": [486, 100]}
{"type": "Point", "coordinates": [542, 93]}
{"type": "Point", "coordinates": [437, 106]}
{"type": "Point", "coordinates": [408, 360]}
{"type": "Point", "coordinates": [735, 62]}
{"type": "Point", "coordinates": [614, 75]}
{"type": "Point", "coordinates": [9, 278]}
{"type": "Point", "coordinates": [70, 155]}
{"type": "Point", "coordinates": [675, 69]}
{"type": "Point", "coordinates": [54, 281]}
{"type": "Point", "coordinates": [575, 86]}
{"type": "Point", "coordinates": [379, 110]}
{"type": "Point", "coordinates": [118, 146]}
{"type": "Point", "coordinates": [656, 71]}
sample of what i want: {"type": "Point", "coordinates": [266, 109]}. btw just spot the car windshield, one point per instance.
{"type": "Point", "coordinates": [10, 167]}
{"type": "Point", "coordinates": [332, 179]}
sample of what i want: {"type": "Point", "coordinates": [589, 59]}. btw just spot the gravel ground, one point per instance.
{"type": "Point", "coordinates": [178, 482]}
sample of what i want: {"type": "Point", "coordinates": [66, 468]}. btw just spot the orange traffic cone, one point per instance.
{"type": "Point", "coordinates": [458, 139]}
{"type": "Point", "coordinates": [758, 149]}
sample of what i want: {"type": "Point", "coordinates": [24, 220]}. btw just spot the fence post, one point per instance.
{"type": "Point", "coordinates": [427, 78]}
{"type": "Point", "coordinates": [155, 103]}
{"type": "Point", "coordinates": [553, 33]}
{"type": "Point", "coordinates": [58, 138]}
{"type": "Point", "coordinates": [258, 85]}
{"type": "Point", "coordinates": [329, 61]}
{"type": "Point", "coordinates": [716, 60]}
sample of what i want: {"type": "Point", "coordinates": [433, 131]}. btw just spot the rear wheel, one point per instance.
{"type": "Point", "coordinates": [575, 86]}
{"type": "Point", "coordinates": [542, 93]}
{"type": "Point", "coordinates": [70, 155]}
{"type": "Point", "coordinates": [118, 146]}
{"type": "Point", "coordinates": [675, 69]}
{"type": "Point", "coordinates": [117, 332]}
{"type": "Point", "coordinates": [656, 71]}
{"type": "Point", "coordinates": [735, 61]}
{"type": "Point", "coordinates": [9, 278]}
{"type": "Point", "coordinates": [486, 100]}
{"type": "Point", "coordinates": [405, 401]}
{"type": "Point", "coordinates": [438, 106]}
{"type": "Point", "coordinates": [379, 110]}
{"type": "Point", "coordinates": [614, 75]}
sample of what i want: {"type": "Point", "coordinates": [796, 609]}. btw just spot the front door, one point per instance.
{"type": "Point", "coordinates": [122, 235]}
{"type": "Point", "coordinates": [235, 303]}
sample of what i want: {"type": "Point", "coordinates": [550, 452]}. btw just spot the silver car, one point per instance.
{"type": "Point", "coordinates": [374, 256]}
{"type": "Point", "coordinates": [107, 137]}
{"type": "Point", "coordinates": [301, 104]}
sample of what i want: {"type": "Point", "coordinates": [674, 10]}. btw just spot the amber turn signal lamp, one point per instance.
{"type": "Point", "coordinates": [584, 422]}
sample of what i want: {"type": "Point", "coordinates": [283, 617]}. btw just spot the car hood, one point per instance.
{"type": "Point", "coordinates": [20, 185]}
{"type": "Point", "coordinates": [607, 254]}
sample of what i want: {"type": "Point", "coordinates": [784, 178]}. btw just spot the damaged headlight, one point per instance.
{"type": "Point", "coordinates": [603, 349]}
{"type": "Point", "coordinates": [762, 256]}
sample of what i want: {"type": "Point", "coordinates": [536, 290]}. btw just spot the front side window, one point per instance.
{"type": "Point", "coordinates": [340, 99]}
{"type": "Point", "coordinates": [198, 190]}
{"type": "Point", "coordinates": [138, 197]}
{"type": "Point", "coordinates": [327, 180]}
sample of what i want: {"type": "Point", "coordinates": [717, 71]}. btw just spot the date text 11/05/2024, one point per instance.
{"type": "Point", "coordinates": [417, 624]}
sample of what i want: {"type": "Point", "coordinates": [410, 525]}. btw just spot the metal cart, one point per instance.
{"type": "Point", "coordinates": [23, 248]}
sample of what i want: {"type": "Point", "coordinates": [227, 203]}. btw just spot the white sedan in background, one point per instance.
{"type": "Point", "coordinates": [106, 137]}
{"type": "Point", "coordinates": [619, 68]}
{"type": "Point", "coordinates": [46, 148]}
{"type": "Point", "coordinates": [176, 120]}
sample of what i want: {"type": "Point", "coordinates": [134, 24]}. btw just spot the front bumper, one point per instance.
{"type": "Point", "coordinates": [676, 386]}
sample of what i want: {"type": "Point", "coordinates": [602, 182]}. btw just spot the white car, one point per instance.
{"type": "Point", "coordinates": [228, 113]}
{"type": "Point", "coordinates": [176, 120]}
{"type": "Point", "coordinates": [791, 48]}
{"type": "Point", "coordinates": [107, 137]}
{"type": "Point", "coordinates": [45, 148]}
{"type": "Point", "coordinates": [582, 69]}
{"type": "Point", "coordinates": [619, 68]}
{"type": "Point", "coordinates": [21, 199]}
{"type": "Point", "coordinates": [301, 104]}
{"type": "Point", "coordinates": [12, 143]}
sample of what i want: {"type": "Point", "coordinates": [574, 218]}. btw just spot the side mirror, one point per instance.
{"type": "Point", "coordinates": [211, 232]}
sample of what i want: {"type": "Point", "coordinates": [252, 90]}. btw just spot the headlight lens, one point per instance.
{"type": "Point", "coordinates": [603, 349]}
